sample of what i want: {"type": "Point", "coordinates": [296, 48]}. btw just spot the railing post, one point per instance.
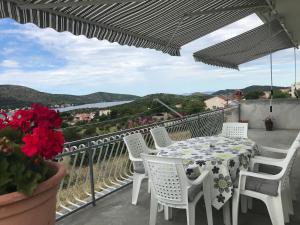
{"type": "Point", "coordinates": [223, 113]}
{"type": "Point", "coordinates": [239, 112]}
{"type": "Point", "coordinates": [91, 170]}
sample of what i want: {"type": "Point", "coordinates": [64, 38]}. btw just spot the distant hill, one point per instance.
{"type": "Point", "coordinates": [12, 96]}
{"type": "Point", "coordinates": [147, 106]}
{"type": "Point", "coordinates": [246, 90]}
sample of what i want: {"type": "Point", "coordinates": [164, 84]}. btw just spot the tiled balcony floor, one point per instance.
{"type": "Point", "coordinates": [116, 208]}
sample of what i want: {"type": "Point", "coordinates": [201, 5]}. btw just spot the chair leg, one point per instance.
{"type": "Point", "coordinates": [149, 186]}
{"type": "Point", "coordinates": [226, 213]}
{"type": "Point", "coordinates": [290, 201]}
{"type": "Point", "coordinates": [190, 214]}
{"type": "Point", "coordinates": [167, 212]}
{"type": "Point", "coordinates": [153, 210]}
{"type": "Point", "coordinates": [250, 203]}
{"type": "Point", "coordinates": [235, 207]}
{"type": "Point", "coordinates": [292, 190]}
{"type": "Point", "coordinates": [160, 208]}
{"type": "Point", "coordinates": [274, 205]}
{"type": "Point", "coordinates": [137, 181]}
{"type": "Point", "coordinates": [285, 207]}
{"type": "Point", "coordinates": [244, 204]}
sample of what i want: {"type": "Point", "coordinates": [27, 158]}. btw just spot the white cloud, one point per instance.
{"type": "Point", "coordinates": [11, 64]}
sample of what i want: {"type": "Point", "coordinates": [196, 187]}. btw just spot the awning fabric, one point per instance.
{"type": "Point", "coordinates": [254, 44]}
{"type": "Point", "coordinates": [164, 25]}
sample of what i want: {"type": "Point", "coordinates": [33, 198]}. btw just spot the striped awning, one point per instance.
{"type": "Point", "coordinates": [254, 44]}
{"type": "Point", "coordinates": [165, 25]}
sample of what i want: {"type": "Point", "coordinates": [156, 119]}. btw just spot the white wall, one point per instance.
{"type": "Point", "coordinates": [286, 113]}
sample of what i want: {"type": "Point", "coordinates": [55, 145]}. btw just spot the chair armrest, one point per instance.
{"type": "Point", "coordinates": [260, 175]}
{"type": "Point", "coordinates": [275, 150]}
{"type": "Point", "coordinates": [265, 161]}
{"type": "Point", "coordinates": [134, 159]}
{"type": "Point", "coordinates": [268, 158]}
{"type": "Point", "coordinates": [245, 174]}
{"type": "Point", "coordinates": [153, 151]}
{"type": "Point", "coordinates": [199, 179]}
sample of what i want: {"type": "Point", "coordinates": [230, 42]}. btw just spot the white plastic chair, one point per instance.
{"type": "Point", "coordinates": [272, 189]}
{"type": "Point", "coordinates": [171, 188]}
{"type": "Point", "coordinates": [235, 130]}
{"type": "Point", "coordinates": [161, 137]}
{"type": "Point", "coordinates": [270, 166]}
{"type": "Point", "coordinates": [136, 145]}
{"type": "Point", "coordinates": [271, 169]}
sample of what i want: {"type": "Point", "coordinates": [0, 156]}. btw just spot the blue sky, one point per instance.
{"type": "Point", "coordinates": [55, 62]}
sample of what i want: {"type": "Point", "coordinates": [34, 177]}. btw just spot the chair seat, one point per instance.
{"type": "Point", "coordinates": [138, 167]}
{"type": "Point", "coordinates": [268, 187]}
{"type": "Point", "coordinates": [193, 191]}
{"type": "Point", "coordinates": [269, 169]}
{"type": "Point", "coordinates": [139, 170]}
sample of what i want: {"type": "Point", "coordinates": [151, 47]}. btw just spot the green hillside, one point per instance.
{"type": "Point", "coordinates": [247, 89]}
{"type": "Point", "coordinates": [189, 104]}
{"type": "Point", "coordinates": [12, 96]}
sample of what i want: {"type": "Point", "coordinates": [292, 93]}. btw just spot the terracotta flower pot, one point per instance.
{"type": "Point", "coordinates": [38, 209]}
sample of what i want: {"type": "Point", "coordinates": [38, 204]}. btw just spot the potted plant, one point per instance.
{"type": "Point", "coordinates": [29, 181]}
{"type": "Point", "coordinates": [269, 123]}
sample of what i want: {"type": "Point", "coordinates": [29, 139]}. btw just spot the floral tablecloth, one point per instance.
{"type": "Point", "coordinates": [225, 157]}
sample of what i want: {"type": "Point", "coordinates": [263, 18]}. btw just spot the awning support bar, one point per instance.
{"type": "Point", "coordinates": [275, 13]}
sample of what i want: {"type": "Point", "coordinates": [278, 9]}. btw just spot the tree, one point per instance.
{"type": "Point", "coordinates": [280, 94]}
{"type": "Point", "coordinates": [191, 107]}
{"type": "Point", "coordinates": [254, 95]}
{"type": "Point", "coordinates": [64, 124]}
{"type": "Point", "coordinates": [90, 131]}
{"type": "Point", "coordinates": [71, 134]}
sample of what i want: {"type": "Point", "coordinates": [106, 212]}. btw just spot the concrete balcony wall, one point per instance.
{"type": "Point", "coordinates": [286, 113]}
{"type": "Point", "coordinates": [231, 115]}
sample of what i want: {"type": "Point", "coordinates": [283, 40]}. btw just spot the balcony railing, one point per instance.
{"type": "Point", "coordinates": [98, 166]}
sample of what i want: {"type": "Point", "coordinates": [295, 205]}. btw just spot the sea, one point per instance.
{"type": "Point", "coordinates": [98, 105]}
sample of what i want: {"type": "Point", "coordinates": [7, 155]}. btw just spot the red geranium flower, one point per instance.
{"type": "Point", "coordinates": [22, 119]}
{"type": "Point", "coordinates": [3, 120]}
{"type": "Point", "coordinates": [44, 142]}
{"type": "Point", "coordinates": [45, 117]}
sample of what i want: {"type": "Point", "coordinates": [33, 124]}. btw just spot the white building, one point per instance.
{"type": "Point", "coordinates": [217, 102]}
{"type": "Point", "coordinates": [293, 89]}
{"type": "Point", "coordinates": [104, 112]}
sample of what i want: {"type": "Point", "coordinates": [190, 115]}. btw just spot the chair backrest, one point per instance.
{"type": "Point", "coordinates": [168, 180]}
{"type": "Point", "coordinates": [136, 145]}
{"type": "Point", "coordinates": [238, 130]}
{"type": "Point", "coordinates": [161, 137]}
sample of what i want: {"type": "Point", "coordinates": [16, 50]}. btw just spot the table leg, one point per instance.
{"type": "Point", "coordinates": [226, 213]}
{"type": "Point", "coordinates": [207, 199]}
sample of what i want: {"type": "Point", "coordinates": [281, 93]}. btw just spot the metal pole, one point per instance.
{"type": "Point", "coordinates": [90, 155]}
{"type": "Point", "coordinates": [239, 112]}
{"type": "Point", "coordinates": [168, 107]}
